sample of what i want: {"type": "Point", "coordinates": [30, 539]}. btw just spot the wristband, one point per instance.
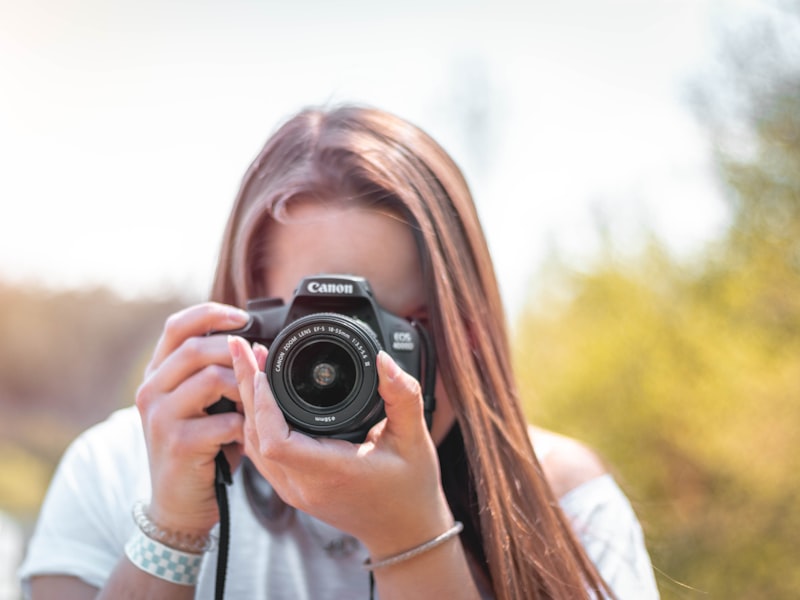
{"type": "Point", "coordinates": [422, 548]}
{"type": "Point", "coordinates": [163, 562]}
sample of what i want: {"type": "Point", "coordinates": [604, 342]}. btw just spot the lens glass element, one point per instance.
{"type": "Point", "coordinates": [323, 374]}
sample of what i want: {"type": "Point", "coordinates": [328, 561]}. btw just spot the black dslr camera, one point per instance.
{"type": "Point", "coordinates": [323, 348]}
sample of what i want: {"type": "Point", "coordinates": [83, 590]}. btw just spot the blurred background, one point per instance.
{"type": "Point", "coordinates": [636, 165]}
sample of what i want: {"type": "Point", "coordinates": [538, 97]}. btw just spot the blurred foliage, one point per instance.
{"type": "Point", "coordinates": [67, 360]}
{"type": "Point", "coordinates": [686, 377]}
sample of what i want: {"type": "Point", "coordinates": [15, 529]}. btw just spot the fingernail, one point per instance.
{"type": "Point", "coordinates": [259, 381]}
{"type": "Point", "coordinates": [233, 345]}
{"type": "Point", "coordinates": [390, 368]}
{"type": "Point", "coordinates": [236, 316]}
{"type": "Point", "coordinates": [261, 354]}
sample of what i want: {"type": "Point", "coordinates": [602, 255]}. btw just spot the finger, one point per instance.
{"type": "Point", "coordinates": [245, 365]}
{"type": "Point", "coordinates": [262, 414]}
{"type": "Point", "coordinates": [198, 437]}
{"type": "Point", "coordinates": [267, 433]}
{"type": "Point", "coordinates": [193, 355]}
{"type": "Point", "coordinates": [222, 429]}
{"type": "Point", "coordinates": [191, 398]}
{"type": "Point", "coordinates": [260, 353]}
{"type": "Point", "coordinates": [402, 398]}
{"type": "Point", "coordinates": [200, 391]}
{"type": "Point", "coordinates": [271, 425]}
{"type": "Point", "coordinates": [194, 321]}
{"type": "Point", "coordinates": [271, 434]}
{"type": "Point", "coordinates": [282, 453]}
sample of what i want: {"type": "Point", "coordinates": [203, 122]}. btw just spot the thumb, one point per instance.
{"type": "Point", "coordinates": [402, 397]}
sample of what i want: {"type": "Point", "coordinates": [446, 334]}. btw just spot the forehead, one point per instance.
{"type": "Point", "coordinates": [317, 237]}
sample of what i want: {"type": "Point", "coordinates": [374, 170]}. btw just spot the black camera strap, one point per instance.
{"type": "Point", "coordinates": [221, 480]}
{"type": "Point", "coordinates": [429, 374]}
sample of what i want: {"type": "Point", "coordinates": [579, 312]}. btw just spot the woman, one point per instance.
{"type": "Point", "coordinates": [352, 191]}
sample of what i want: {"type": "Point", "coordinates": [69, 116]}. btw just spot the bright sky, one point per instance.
{"type": "Point", "coordinates": [125, 127]}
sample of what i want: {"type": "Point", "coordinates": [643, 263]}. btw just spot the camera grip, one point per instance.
{"type": "Point", "coordinates": [222, 405]}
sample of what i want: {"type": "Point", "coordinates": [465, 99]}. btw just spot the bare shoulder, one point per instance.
{"type": "Point", "coordinates": [567, 463]}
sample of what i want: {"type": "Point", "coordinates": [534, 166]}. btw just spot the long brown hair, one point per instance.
{"type": "Point", "coordinates": [520, 538]}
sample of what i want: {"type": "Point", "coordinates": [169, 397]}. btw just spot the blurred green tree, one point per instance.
{"type": "Point", "coordinates": [687, 377]}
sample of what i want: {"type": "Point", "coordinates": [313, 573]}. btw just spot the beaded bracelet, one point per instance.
{"type": "Point", "coordinates": [164, 562]}
{"type": "Point", "coordinates": [422, 548]}
{"type": "Point", "coordinates": [193, 544]}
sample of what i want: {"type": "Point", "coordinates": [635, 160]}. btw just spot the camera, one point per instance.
{"type": "Point", "coordinates": [323, 348]}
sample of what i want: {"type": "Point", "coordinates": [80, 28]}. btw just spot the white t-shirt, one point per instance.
{"type": "Point", "coordinates": [86, 520]}
{"type": "Point", "coordinates": [11, 547]}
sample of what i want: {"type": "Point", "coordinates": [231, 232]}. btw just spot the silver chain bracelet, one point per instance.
{"type": "Point", "coordinates": [416, 551]}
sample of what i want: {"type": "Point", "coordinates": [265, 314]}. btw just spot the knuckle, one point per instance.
{"type": "Point", "coordinates": [213, 377]}
{"type": "Point", "coordinates": [144, 396]}
{"type": "Point", "coordinates": [266, 449]}
{"type": "Point", "coordinates": [292, 497]}
{"type": "Point", "coordinates": [172, 324]}
{"type": "Point", "coordinates": [191, 348]}
{"type": "Point", "coordinates": [311, 499]}
{"type": "Point", "coordinates": [171, 438]}
{"type": "Point", "coordinates": [270, 449]}
{"type": "Point", "coordinates": [159, 429]}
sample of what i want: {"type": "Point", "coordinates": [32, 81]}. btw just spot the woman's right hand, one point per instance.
{"type": "Point", "coordinates": [189, 372]}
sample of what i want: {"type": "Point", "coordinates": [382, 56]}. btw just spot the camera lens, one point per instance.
{"type": "Point", "coordinates": [323, 374]}
{"type": "Point", "coordinates": [321, 368]}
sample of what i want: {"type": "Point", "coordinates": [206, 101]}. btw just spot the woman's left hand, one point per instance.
{"type": "Point", "coordinates": [385, 491]}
